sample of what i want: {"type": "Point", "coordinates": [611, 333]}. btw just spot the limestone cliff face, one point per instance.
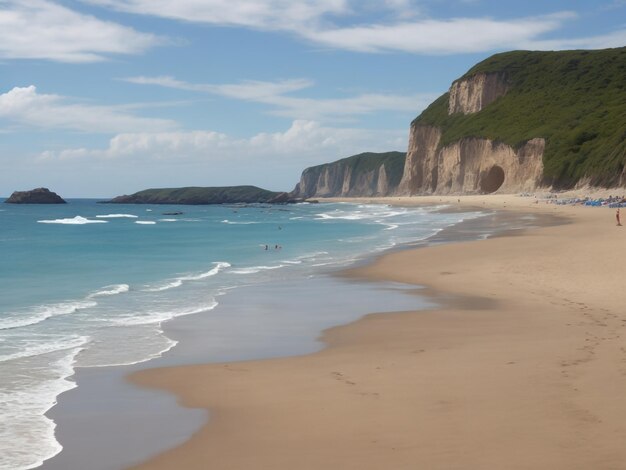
{"type": "Point", "coordinates": [362, 175]}
{"type": "Point", "coordinates": [339, 181]}
{"type": "Point", "coordinates": [472, 94]}
{"type": "Point", "coordinates": [469, 166]}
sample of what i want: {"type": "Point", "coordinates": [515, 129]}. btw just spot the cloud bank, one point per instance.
{"type": "Point", "coordinates": [40, 29]}
{"type": "Point", "coordinates": [275, 94]}
{"type": "Point", "coordinates": [25, 107]}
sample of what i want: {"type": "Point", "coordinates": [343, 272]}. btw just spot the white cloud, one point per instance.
{"type": "Point", "coordinates": [40, 29]}
{"type": "Point", "coordinates": [26, 107]}
{"type": "Point", "coordinates": [303, 140]}
{"type": "Point", "coordinates": [400, 25]}
{"type": "Point", "coordinates": [261, 14]}
{"type": "Point", "coordinates": [274, 94]}
{"type": "Point", "coordinates": [135, 161]}
{"type": "Point", "coordinates": [436, 36]}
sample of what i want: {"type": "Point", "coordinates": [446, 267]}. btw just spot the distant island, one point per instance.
{"type": "Point", "coordinates": [35, 196]}
{"type": "Point", "coordinates": [200, 195]}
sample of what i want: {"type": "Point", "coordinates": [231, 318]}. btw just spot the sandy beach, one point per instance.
{"type": "Point", "coordinates": [522, 366]}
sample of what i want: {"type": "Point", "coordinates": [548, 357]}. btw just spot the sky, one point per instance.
{"type": "Point", "coordinates": [106, 97]}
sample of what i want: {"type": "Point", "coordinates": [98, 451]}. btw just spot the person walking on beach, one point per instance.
{"type": "Point", "coordinates": [619, 223]}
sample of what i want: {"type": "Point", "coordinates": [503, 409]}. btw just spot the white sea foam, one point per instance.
{"type": "Point", "coordinates": [374, 213]}
{"type": "Point", "coordinates": [146, 318]}
{"type": "Point", "coordinates": [229, 222]}
{"type": "Point", "coordinates": [145, 222]}
{"type": "Point", "coordinates": [78, 220]}
{"type": "Point", "coordinates": [255, 269]}
{"type": "Point", "coordinates": [166, 286]}
{"type": "Point", "coordinates": [38, 346]}
{"type": "Point", "coordinates": [117, 216]}
{"type": "Point", "coordinates": [219, 265]}
{"type": "Point", "coordinates": [168, 220]}
{"type": "Point", "coordinates": [27, 435]}
{"type": "Point", "coordinates": [177, 282]}
{"type": "Point", "coordinates": [113, 289]}
{"type": "Point", "coordinates": [42, 312]}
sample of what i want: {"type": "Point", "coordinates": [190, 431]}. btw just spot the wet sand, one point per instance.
{"type": "Point", "coordinates": [523, 366]}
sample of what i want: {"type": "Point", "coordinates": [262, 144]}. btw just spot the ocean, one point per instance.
{"type": "Point", "coordinates": [88, 285]}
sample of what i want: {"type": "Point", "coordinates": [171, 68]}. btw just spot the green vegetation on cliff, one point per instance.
{"type": "Point", "coordinates": [198, 195]}
{"type": "Point", "coordinates": [575, 100]}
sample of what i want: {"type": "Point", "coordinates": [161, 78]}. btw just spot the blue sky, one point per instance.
{"type": "Point", "coordinates": [105, 97]}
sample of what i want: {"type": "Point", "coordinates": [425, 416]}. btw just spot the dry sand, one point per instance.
{"type": "Point", "coordinates": [524, 366]}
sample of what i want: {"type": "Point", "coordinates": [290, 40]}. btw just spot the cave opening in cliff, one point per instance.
{"type": "Point", "coordinates": [492, 181]}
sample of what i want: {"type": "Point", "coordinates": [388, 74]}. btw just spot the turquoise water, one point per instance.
{"type": "Point", "coordinates": [90, 285]}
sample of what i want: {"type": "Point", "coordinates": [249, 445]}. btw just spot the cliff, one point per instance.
{"type": "Point", "coordinates": [366, 174]}
{"type": "Point", "coordinates": [35, 196]}
{"type": "Point", "coordinates": [200, 196]}
{"type": "Point", "coordinates": [522, 120]}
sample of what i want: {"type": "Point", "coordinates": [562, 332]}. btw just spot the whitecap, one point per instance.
{"type": "Point", "coordinates": [38, 346]}
{"type": "Point", "coordinates": [177, 282]}
{"type": "Point", "coordinates": [117, 216]}
{"type": "Point", "coordinates": [168, 220]}
{"type": "Point", "coordinates": [78, 220]}
{"type": "Point", "coordinates": [43, 312]}
{"type": "Point", "coordinates": [27, 436]}
{"type": "Point", "coordinates": [146, 318]}
{"type": "Point", "coordinates": [113, 289]}
{"type": "Point", "coordinates": [166, 286]}
{"type": "Point", "coordinates": [226, 221]}
{"type": "Point", "coordinates": [255, 269]}
{"type": "Point", "coordinates": [219, 265]}
{"type": "Point", "coordinates": [145, 222]}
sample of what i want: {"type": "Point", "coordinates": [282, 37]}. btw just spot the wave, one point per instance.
{"type": "Point", "coordinates": [255, 269]}
{"type": "Point", "coordinates": [177, 282]}
{"type": "Point", "coordinates": [145, 222]}
{"type": "Point", "coordinates": [37, 347]}
{"type": "Point", "coordinates": [226, 221]}
{"type": "Point", "coordinates": [43, 312]}
{"type": "Point", "coordinates": [168, 220]}
{"type": "Point", "coordinates": [169, 285]}
{"type": "Point", "coordinates": [147, 318]}
{"type": "Point", "coordinates": [23, 407]}
{"type": "Point", "coordinates": [117, 216]}
{"type": "Point", "coordinates": [78, 220]}
{"type": "Point", "coordinates": [219, 265]}
{"type": "Point", "coordinates": [113, 289]}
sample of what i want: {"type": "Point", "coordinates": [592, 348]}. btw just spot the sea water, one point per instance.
{"type": "Point", "coordinates": [90, 285]}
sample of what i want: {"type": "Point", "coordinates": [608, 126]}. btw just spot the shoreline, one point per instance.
{"type": "Point", "coordinates": [500, 375]}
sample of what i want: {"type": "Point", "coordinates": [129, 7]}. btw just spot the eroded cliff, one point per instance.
{"type": "Point", "coordinates": [524, 119]}
{"type": "Point", "coordinates": [470, 164]}
{"type": "Point", "coordinates": [366, 174]}
{"type": "Point", "coordinates": [472, 94]}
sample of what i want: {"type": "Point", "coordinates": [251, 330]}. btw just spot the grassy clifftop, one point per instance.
{"type": "Point", "coordinates": [576, 100]}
